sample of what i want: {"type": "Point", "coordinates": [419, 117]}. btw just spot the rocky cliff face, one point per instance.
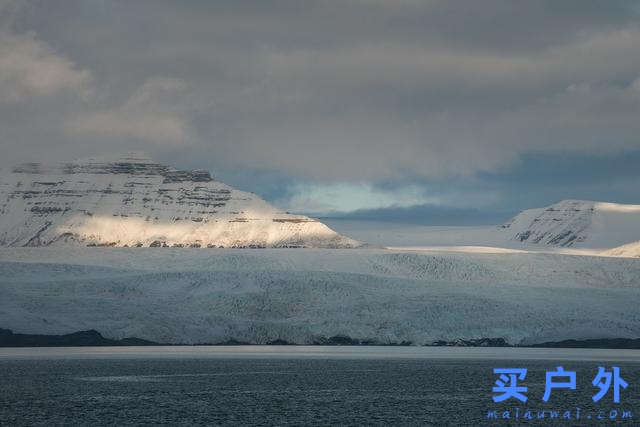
{"type": "Point", "coordinates": [133, 201]}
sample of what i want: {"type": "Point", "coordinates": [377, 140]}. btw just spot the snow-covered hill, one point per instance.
{"type": "Point", "coordinates": [571, 227]}
{"type": "Point", "coordinates": [628, 250]}
{"type": "Point", "coordinates": [132, 201]}
{"type": "Point", "coordinates": [577, 223]}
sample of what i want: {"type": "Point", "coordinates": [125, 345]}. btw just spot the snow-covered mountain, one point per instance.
{"type": "Point", "coordinates": [131, 200]}
{"type": "Point", "coordinates": [577, 223]}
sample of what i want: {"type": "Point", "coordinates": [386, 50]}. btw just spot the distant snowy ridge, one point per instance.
{"type": "Point", "coordinates": [577, 223]}
{"type": "Point", "coordinates": [628, 250]}
{"type": "Point", "coordinates": [573, 227]}
{"type": "Point", "coordinates": [131, 200]}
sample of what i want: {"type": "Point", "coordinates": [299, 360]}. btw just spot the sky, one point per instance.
{"type": "Point", "coordinates": [421, 111]}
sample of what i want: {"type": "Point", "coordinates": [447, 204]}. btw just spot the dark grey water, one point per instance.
{"type": "Point", "coordinates": [289, 389]}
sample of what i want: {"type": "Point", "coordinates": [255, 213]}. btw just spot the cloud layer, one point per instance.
{"type": "Point", "coordinates": [329, 93]}
{"type": "Point", "coordinates": [146, 116]}
{"type": "Point", "coordinates": [30, 68]}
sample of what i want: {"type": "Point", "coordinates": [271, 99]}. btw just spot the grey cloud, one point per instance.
{"type": "Point", "coordinates": [355, 90]}
{"type": "Point", "coordinates": [150, 115]}
{"type": "Point", "coordinates": [29, 67]}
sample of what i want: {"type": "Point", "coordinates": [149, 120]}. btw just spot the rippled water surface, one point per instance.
{"type": "Point", "coordinates": [296, 386]}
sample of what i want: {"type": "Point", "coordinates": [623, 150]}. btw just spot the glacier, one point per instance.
{"type": "Point", "coordinates": [299, 295]}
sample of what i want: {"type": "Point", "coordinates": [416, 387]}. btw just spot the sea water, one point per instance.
{"type": "Point", "coordinates": [291, 385]}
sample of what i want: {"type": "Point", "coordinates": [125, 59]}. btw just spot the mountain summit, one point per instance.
{"type": "Point", "coordinates": [577, 223]}
{"type": "Point", "coordinates": [131, 200]}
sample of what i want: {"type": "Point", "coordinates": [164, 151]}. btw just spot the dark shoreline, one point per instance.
{"type": "Point", "coordinates": [94, 338]}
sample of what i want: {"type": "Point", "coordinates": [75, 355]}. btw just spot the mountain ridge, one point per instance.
{"type": "Point", "coordinates": [130, 200]}
{"type": "Point", "coordinates": [576, 223]}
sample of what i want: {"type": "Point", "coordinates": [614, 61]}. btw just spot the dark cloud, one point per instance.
{"type": "Point", "coordinates": [425, 215]}
{"type": "Point", "coordinates": [323, 92]}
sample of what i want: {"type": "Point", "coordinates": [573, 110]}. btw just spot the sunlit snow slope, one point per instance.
{"type": "Point", "coordinates": [628, 250]}
{"type": "Point", "coordinates": [133, 201]}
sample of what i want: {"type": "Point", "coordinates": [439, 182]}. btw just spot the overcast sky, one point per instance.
{"type": "Point", "coordinates": [386, 109]}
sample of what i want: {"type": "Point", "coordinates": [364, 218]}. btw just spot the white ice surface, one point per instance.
{"type": "Point", "coordinates": [210, 295]}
